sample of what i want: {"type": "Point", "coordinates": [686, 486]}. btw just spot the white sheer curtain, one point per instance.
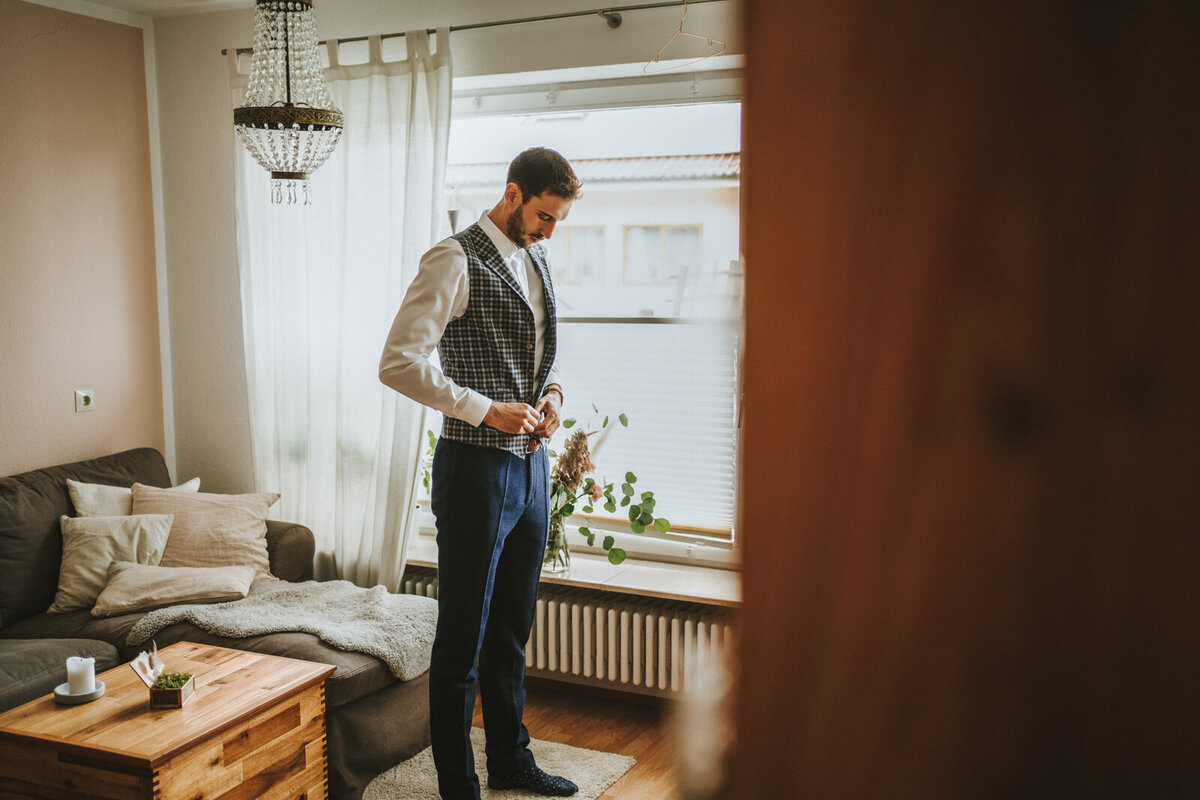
{"type": "Point", "coordinates": [320, 286]}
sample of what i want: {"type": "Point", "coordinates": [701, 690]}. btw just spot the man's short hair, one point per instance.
{"type": "Point", "coordinates": [540, 169]}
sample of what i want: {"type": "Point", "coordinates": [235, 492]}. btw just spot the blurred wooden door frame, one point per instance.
{"type": "Point", "coordinates": [971, 418]}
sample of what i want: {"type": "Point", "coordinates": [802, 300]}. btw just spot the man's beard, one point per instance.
{"type": "Point", "coordinates": [515, 228]}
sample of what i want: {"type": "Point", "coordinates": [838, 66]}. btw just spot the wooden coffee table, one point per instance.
{"type": "Point", "coordinates": [255, 728]}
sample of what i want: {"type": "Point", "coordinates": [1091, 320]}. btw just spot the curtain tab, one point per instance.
{"type": "Point", "coordinates": [331, 47]}
{"type": "Point", "coordinates": [375, 46]}
{"type": "Point", "coordinates": [237, 79]}
{"type": "Point", "coordinates": [417, 43]}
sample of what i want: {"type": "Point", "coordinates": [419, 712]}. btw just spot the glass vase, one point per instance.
{"type": "Point", "coordinates": [557, 559]}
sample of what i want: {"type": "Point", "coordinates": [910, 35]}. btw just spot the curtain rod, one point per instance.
{"type": "Point", "coordinates": [613, 16]}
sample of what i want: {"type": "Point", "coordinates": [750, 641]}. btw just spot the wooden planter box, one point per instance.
{"type": "Point", "coordinates": [173, 698]}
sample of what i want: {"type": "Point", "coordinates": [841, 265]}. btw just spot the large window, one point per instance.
{"type": "Point", "coordinates": [648, 279]}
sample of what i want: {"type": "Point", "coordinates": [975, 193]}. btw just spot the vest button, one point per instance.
{"type": "Point", "coordinates": [528, 346]}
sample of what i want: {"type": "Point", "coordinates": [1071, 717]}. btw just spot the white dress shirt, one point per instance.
{"type": "Point", "coordinates": [437, 296]}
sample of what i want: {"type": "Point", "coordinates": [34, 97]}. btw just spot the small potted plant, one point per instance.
{"type": "Point", "coordinates": [172, 690]}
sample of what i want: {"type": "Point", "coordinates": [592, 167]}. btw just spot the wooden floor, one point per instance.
{"type": "Point", "coordinates": [609, 721]}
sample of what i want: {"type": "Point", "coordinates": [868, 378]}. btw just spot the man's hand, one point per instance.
{"type": "Point", "coordinates": [512, 417]}
{"type": "Point", "coordinates": [548, 406]}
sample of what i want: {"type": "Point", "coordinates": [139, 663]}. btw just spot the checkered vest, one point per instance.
{"type": "Point", "coordinates": [491, 347]}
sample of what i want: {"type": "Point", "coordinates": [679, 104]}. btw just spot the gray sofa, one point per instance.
{"type": "Point", "coordinates": [374, 719]}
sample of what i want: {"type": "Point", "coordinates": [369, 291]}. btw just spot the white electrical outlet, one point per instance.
{"type": "Point", "coordinates": [85, 400]}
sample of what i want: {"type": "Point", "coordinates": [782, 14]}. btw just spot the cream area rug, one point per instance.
{"type": "Point", "coordinates": [591, 770]}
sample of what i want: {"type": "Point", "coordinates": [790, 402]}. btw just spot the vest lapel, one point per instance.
{"type": "Point", "coordinates": [550, 342]}
{"type": "Point", "coordinates": [543, 268]}
{"type": "Point", "coordinates": [495, 262]}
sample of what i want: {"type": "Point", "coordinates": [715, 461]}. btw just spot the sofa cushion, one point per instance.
{"type": "Point", "coordinates": [143, 587]}
{"type": "Point", "coordinates": [98, 500]}
{"type": "Point", "coordinates": [30, 668]}
{"type": "Point", "coordinates": [76, 625]}
{"type": "Point", "coordinates": [357, 674]}
{"type": "Point", "coordinates": [92, 544]}
{"type": "Point", "coordinates": [31, 504]}
{"type": "Point", "coordinates": [211, 530]}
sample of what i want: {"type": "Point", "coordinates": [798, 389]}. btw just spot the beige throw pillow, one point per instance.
{"type": "Point", "coordinates": [137, 587]}
{"type": "Point", "coordinates": [211, 530]}
{"type": "Point", "coordinates": [98, 500]}
{"type": "Point", "coordinates": [91, 544]}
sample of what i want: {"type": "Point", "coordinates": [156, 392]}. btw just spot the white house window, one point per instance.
{"type": "Point", "coordinates": [647, 275]}
{"type": "Point", "coordinates": [582, 255]}
{"type": "Point", "coordinates": [656, 255]}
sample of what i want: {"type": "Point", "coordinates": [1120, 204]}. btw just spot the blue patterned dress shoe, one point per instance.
{"type": "Point", "coordinates": [534, 780]}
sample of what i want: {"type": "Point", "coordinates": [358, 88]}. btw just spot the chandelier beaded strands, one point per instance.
{"type": "Point", "coordinates": [288, 123]}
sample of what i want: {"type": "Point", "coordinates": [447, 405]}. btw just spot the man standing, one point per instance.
{"type": "Point", "coordinates": [484, 299]}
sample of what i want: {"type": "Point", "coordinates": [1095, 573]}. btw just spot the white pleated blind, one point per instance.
{"type": "Point", "coordinates": [676, 382]}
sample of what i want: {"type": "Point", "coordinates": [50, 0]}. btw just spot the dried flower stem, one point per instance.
{"type": "Point", "coordinates": [573, 464]}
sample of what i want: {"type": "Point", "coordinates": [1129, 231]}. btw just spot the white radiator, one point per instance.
{"type": "Point", "coordinates": [620, 641]}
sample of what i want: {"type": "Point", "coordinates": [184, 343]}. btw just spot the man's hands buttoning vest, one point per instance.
{"type": "Point", "coordinates": [541, 421]}
{"type": "Point", "coordinates": [512, 417]}
{"type": "Point", "coordinates": [548, 409]}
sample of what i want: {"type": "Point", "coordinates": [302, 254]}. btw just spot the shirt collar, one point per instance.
{"type": "Point", "coordinates": [505, 246]}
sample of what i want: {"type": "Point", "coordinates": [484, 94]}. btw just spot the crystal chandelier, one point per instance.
{"type": "Point", "coordinates": [288, 123]}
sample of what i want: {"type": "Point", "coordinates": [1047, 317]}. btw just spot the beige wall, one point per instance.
{"type": "Point", "coordinates": [211, 418]}
{"type": "Point", "coordinates": [78, 307]}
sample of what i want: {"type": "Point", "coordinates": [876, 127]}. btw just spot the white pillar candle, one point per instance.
{"type": "Point", "coordinates": [81, 675]}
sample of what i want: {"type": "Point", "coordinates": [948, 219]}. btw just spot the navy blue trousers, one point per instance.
{"type": "Point", "coordinates": [492, 511]}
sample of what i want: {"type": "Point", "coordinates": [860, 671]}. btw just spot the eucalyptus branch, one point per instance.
{"type": "Point", "coordinates": [565, 494]}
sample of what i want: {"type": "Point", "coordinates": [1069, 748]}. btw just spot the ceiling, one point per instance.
{"type": "Point", "coordinates": [170, 8]}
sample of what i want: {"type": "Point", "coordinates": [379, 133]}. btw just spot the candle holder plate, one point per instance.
{"type": "Point", "coordinates": [63, 696]}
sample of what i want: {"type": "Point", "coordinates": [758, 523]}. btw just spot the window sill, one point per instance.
{"type": "Point", "coordinates": [690, 583]}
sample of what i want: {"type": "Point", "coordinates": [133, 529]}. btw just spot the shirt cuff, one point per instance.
{"type": "Point", "coordinates": [474, 408]}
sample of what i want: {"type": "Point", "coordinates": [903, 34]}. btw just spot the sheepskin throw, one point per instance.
{"type": "Point", "coordinates": [395, 628]}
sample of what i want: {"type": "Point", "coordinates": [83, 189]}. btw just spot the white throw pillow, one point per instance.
{"type": "Point", "coordinates": [92, 544]}
{"type": "Point", "coordinates": [211, 530]}
{"type": "Point", "coordinates": [137, 587]}
{"type": "Point", "coordinates": [98, 500]}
